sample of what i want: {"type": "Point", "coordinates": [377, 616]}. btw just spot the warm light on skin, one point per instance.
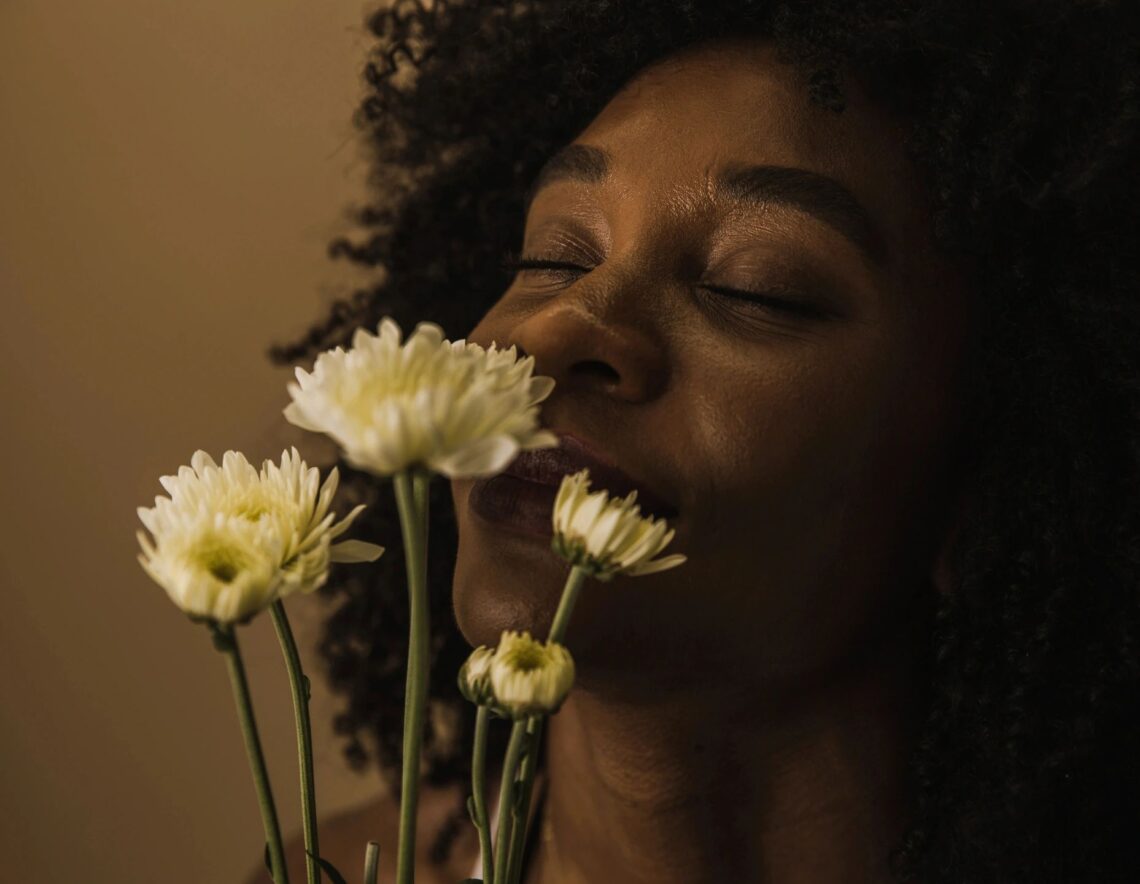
{"type": "Point", "coordinates": [808, 455]}
{"type": "Point", "coordinates": [805, 455]}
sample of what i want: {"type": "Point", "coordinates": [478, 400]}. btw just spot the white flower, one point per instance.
{"type": "Point", "coordinates": [451, 406]}
{"type": "Point", "coordinates": [606, 536]}
{"type": "Point", "coordinates": [528, 676]}
{"type": "Point", "coordinates": [289, 494]}
{"type": "Point", "coordinates": [475, 675]}
{"type": "Point", "coordinates": [229, 540]}
{"type": "Point", "coordinates": [218, 568]}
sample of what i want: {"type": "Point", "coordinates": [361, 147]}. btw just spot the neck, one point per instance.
{"type": "Point", "coordinates": [706, 786]}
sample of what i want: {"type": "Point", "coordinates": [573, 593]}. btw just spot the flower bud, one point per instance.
{"type": "Point", "coordinates": [605, 536]}
{"type": "Point", "coordinates": [529, 677]}
{"type": "Point", "coordinates": [475, 676]}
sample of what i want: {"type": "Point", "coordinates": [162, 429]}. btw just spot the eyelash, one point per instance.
{"type": "Point", "coordinates": [514, 264]}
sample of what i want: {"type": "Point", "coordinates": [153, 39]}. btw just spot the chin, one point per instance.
{"type": "Point", "coordinates": [503, 579]}
{"type": "Point", "coordinates": [507, 579]}
{"type": "Point", "coordinates": [505, 582]}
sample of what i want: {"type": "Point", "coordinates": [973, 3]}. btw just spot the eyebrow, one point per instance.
{"type": "Point", "coordinates": [818, 195]}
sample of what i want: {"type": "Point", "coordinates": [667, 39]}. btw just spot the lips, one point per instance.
{"type": "Point", "coordinates": [547, 466]}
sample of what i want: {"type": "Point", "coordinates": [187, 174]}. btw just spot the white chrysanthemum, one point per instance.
{"type": "Point", "coordinates": [475, 675]}
{"type": "Point", "coordinates": [451, 406]}
{"type": "Point", "coordinates": [605, 535]}
{"type": "Point", "coordinates": [529, 676]}
{"type": "Point", "coordinates": [220, 526]}
{"type": "Point", "coordinates": [214, 567]}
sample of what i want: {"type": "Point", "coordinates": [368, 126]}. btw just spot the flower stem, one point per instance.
{"type": "Point", "coordinates": [371, 862]}
{"type": "Point", "coordinates": [558, 627]}
{"type": "Point", "coordinates": [506, 804]}
{"type": "Point", "coordinates": [526, 784]}
{"type": "Point", "coordinates": [479, 790]}
{"type": "Point", "coordinates": [411, 488]}
{"type": "Point", "coordinates": [225, 640]}
{"type": "Point", "coordinates": [300, 686]}
{"type": "Point", "coordinates": [420, 480]}
{"type": "Point", "coordinates": [574, 583]}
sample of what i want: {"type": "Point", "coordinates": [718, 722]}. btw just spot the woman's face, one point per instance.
{"type": "Point", "coordinates": [752, 321]}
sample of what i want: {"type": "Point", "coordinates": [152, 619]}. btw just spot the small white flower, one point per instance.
{"type": "Point", "coordinates": [475, 675]}
{"type": "Point", "coordinates": [528, 676]}
{"type": "Point", "coordinates": [214, 567]}
{"type": "Point", "coordinates": [289, 493]}
{"type": "Point", "coordinates": [606, 536]}
{"type": "Point", "coordinates": [451, 406]}
{"type": "Point", "coordinates": [229, 540]}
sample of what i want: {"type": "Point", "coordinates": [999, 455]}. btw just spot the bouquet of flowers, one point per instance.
{"type": "Point", "coordinates": [231, 541]}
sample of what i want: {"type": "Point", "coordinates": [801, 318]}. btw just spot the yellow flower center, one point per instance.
{"type": "Point", "coordinates": [222, 561]}
{"type": "Point", "coordinates": [251, 508]}
{"type": "Point", "coordinates": [527, 658]}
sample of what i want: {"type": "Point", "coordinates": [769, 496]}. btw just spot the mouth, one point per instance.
{"type": "Point", "coordinates": [522, 496]}
{"type": "Point", "coordinates": [547, 466]}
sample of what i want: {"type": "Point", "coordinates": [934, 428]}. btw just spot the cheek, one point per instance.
{"type": "Point", "coordinates": [786, 429]}
{"type": "Point", "coordinates": [805, 469]}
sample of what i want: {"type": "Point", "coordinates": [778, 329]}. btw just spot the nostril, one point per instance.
{"type": "Point", "coordinates": [598, 369]}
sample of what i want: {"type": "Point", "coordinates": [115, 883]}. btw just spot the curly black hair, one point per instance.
{"type": "Point", "coordinates": [1023, 119]}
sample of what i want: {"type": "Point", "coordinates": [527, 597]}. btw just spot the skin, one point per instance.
{"type": "Point", "coordinates": [747, 715]}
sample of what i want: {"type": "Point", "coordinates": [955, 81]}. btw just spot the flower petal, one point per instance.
{"type": "Point", "coordinates": [454, 406]}
{"type": "Point", "coordinates": [355, 551]}
{"type": "Point", "coordinates": [296, 416]}
{"type": "Point", "coordinates": [482, 458]}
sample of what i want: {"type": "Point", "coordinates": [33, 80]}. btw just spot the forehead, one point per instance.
{"type": "Point", "coordinates": [678, 123]}
{"type": "Point", "coordinates": [736, 100]}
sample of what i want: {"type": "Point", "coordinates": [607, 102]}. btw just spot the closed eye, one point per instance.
{"type": "Point", "coordinates": [771, 298]}
{"type": "Point", "coordinates": [519, 264]}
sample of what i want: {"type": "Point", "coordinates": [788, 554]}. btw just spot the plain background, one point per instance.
{"type": "Point", "coordinates": [170, 175]}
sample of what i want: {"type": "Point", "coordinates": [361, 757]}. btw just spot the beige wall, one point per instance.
{"type": "Point", "coordinates": [170, 173]}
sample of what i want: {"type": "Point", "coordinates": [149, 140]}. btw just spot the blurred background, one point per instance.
{"type": "Point", "coordinates": [170, 174]}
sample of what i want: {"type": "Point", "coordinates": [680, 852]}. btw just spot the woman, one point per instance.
{"type": "Point", "coordinates": [845, 290]}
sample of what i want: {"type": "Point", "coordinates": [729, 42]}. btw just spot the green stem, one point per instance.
{"type": "Point", "coordinates": [371, 862]}
{"type": "Point", "coordinates": [526, 784]}
{"type": "Point", "coordinates": [413, 523]}
{"type": "Point", "coordinates": [570, 591]}
{"type": "Point", "coordinates": [506, 793]}
{"type": "Point", "coordinates": [300, 686]}
{"type": "Point", "coordinates": [479, 790]}
{"type": "Point", "coordinates": [225, 640]}
{"type": "Point", "coordinates": [420, 480]}
{"type": "Point", "coordinates": [574, 581]}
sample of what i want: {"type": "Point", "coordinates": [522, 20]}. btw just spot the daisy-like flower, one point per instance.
{"type": "Point", "coordinates": [529, 676]}
{"type": "Point", "coordinates": [450, 406]}
{"type": "Point", "coordinates": [229, 540]}
{"type": "Point", "coordinates": [606, 536]}
{"type": "Point", "coordinates": [213, 567]}
{"type": "Point", "coordinates": [475, 675]}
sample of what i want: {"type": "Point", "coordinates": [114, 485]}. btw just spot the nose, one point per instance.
{"type": "Point", "coordinates": [586, 347]}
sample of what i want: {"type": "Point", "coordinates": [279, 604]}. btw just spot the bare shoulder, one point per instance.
{"type": "Point", "coordinates": [344, 836]}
